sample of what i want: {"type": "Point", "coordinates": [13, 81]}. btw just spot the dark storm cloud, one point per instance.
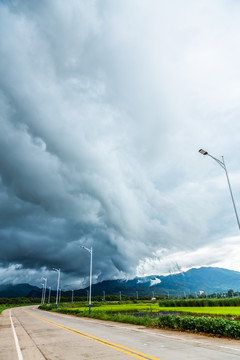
{"type": "Point", "coordinates": [93, 114]}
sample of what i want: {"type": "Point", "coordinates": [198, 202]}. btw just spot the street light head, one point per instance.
{"type": "Point", "coordinates": [203, 152]}
{"type": "Point", "coordinates": [84, 247]}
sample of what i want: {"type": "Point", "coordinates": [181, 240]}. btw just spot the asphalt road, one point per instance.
{"type": "Point", "coordinates": [31, 334]}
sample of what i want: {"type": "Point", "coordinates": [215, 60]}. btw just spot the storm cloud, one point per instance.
{"type": "Point", "coordinates": [103, 107]}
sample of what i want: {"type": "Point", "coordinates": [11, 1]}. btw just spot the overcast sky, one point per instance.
{"type": "Point", "coordinates": [103, 107]}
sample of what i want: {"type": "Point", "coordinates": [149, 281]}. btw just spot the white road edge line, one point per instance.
{"type": "Point", "coordinates": [16, 339]}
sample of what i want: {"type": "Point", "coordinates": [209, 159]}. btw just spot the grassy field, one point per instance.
{"type": "Point", "coordinates": [119, 308]}
{"type": "Point", "coordinates": [233, 311]}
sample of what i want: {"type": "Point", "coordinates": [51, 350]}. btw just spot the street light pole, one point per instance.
{"type": "Point", "coordinates": [223, 165]}
{"type": "Point", "coordinates": [49, 295]}
{"type": "Point", "coordinates": [58, 282]}
{"type": "Point", "coordinates": [72, 296]}
{"type": "Point", "coordinates": [90, 285]}
{"type": "Point", "coordinates": [42, 293]}
{"type": "Point", "coordinates": [44, 290]}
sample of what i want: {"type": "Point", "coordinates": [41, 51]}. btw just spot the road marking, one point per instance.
{"type": "Point", "coordinates": [121, 348]}
{"type": "Point", "coordinates": [16, 339]}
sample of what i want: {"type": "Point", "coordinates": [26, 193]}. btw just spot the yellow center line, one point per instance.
{"type": "Point", "coordinates": [121, 348]}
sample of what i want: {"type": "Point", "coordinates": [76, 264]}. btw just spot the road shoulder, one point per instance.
{"type": "Point", "coordinates": [7, 344]}
{"type": "Point", "coordinates": [8, 350]}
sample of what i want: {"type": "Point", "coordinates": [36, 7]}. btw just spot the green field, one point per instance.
{"type": "Point", "coordinates": [233, 311]}
{"type": "Point", "coordinates": [118, 308]}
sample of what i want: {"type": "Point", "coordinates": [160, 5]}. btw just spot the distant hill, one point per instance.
{"type": "Point", "coordinates": [207, 279]}
{"type": "Point", "coordinates": [19, 290]}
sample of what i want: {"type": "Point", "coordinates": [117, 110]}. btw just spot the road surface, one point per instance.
{"type": "Point", "coordinates": [31, 334]}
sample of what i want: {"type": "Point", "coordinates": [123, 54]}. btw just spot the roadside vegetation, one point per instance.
{"type": "Point", "coordinates": [217, 320]}
{"type": "Point", "coordinates": [7, 303]}
{"type": "Point", "coordinates": [2, 307]}
{"type": "Point", "coordinates": [8, 306]}
{"type": "Point", "coordinates": [208, 302]}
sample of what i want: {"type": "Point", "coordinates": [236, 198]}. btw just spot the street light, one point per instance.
{"type": "Point", "coordinates": [90, 286]}
{"type": "Point", "coordinates": [49, 295]}
{"type": "Point", "coordinates": [222, 164]}
{"type": "Point", "coordinates": [42, 293]}
{"type": "Point", "coordinates": [58, 282]}
{"type": "Point", "coordinates": [44, 290]}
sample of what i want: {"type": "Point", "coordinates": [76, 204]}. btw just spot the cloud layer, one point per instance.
{"type": "Point", "coordinates": [103, 107]}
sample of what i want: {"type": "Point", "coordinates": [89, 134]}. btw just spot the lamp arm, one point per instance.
{"type": "Point", "coordinates": [221, 163]}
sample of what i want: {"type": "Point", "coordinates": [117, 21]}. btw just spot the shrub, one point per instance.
{"type": "Point", "coordinates": [216, 326]}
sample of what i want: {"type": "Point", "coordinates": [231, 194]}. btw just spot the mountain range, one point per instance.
{"type": "Point", "coordinates": [207, 279]}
